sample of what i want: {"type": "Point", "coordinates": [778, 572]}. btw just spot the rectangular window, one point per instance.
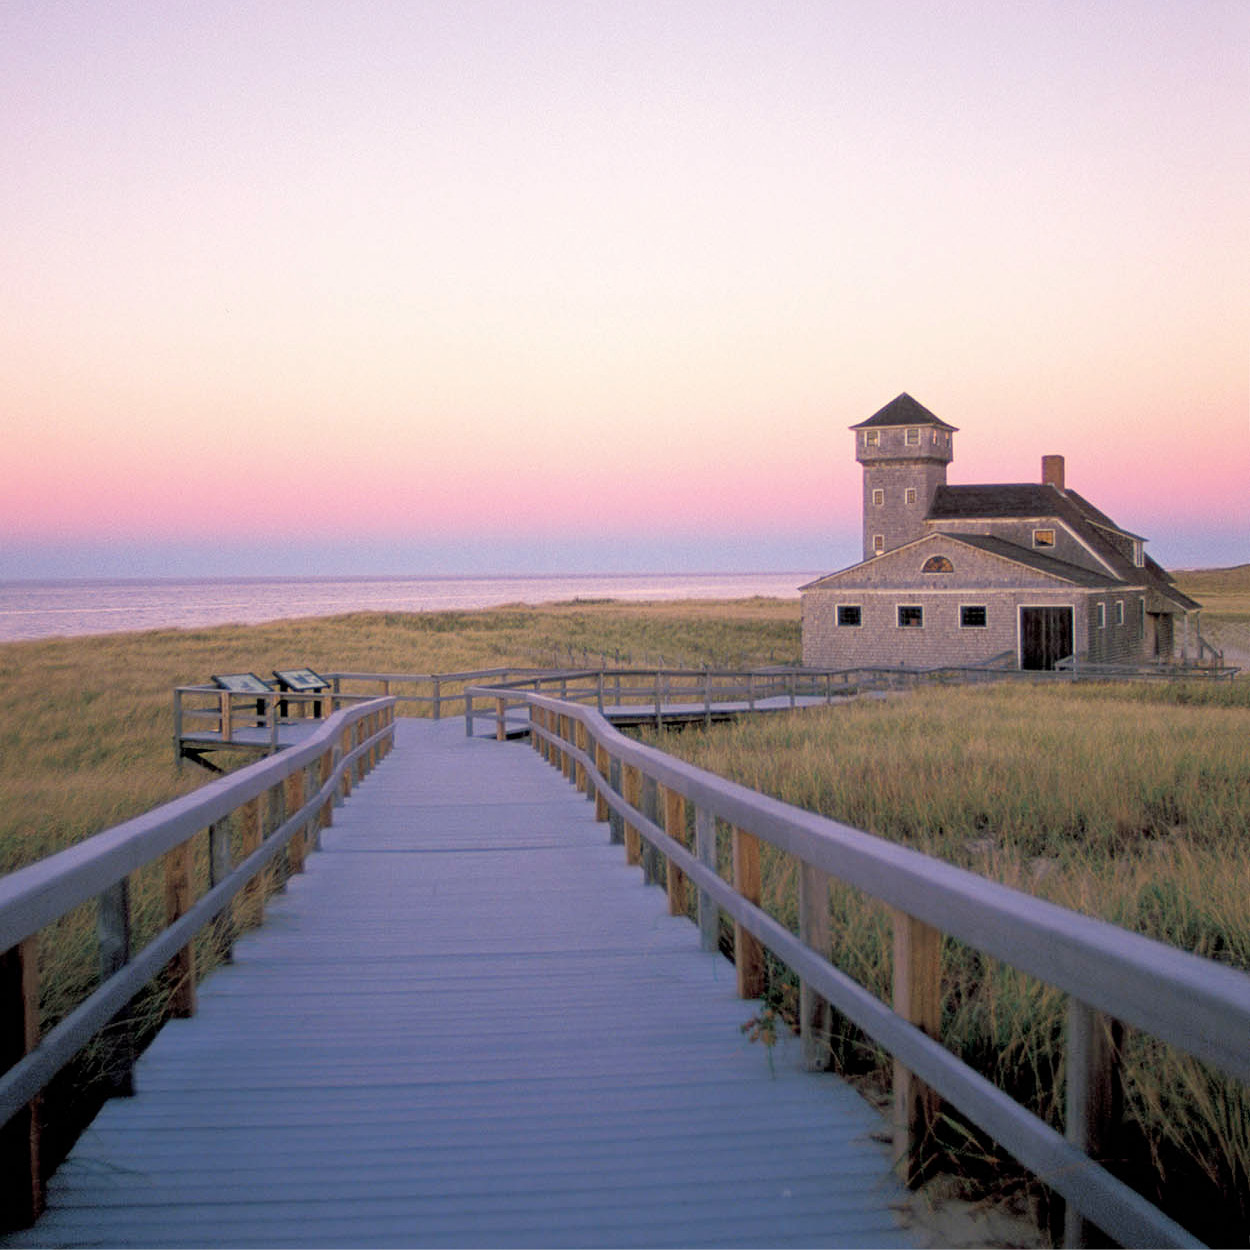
{"type": "Point", "coordinates": [1139, 553]}
{"type": "Point", "coordinates": [870, 438]}
{"type": "Point", "coordinates": [909, 495]}
{"type": "Point", "coordinates": [910, 616]}
{"type": "Point", "coordinates": [878, 498]}
{"type": "Point", "coordinates": [878, 542]}
{"type": "Point", "coordinates": [912, 438]}
{"type": "Point", "coordinates": [972, 616]}
{"type": "Point", "coordinates": [849, 614]}
{"type": "Point", "coordinates": [1043, 538]}
{"type": "Point", "coordinates": [1119, 611]}
{"type": "Point", "coordinates": [1100, 615]}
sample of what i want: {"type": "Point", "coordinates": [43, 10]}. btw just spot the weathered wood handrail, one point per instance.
{"type": "Point", "coordinates": [1111, 975]}
{"type": "Point", "coordinates": [303, 784]}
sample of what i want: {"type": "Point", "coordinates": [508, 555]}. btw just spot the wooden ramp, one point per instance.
{"type": "Point", "coordinates": [469, 1024]}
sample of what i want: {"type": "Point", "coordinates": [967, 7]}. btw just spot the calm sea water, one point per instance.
{"type": "Point", "coordinates": [31, 609]}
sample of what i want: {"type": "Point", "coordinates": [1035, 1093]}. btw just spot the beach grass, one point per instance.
{"type": "Point", "coordinates": [1130, 802]}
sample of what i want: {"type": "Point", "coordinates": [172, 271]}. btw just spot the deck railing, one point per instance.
{"type": "Point", "coordinates": [252, 816]}
{"type": "Point", "coordinates": [1109, 974]}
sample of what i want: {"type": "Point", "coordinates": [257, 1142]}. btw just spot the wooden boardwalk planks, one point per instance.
{"type": "Point", "coordinates": [469, 1024]}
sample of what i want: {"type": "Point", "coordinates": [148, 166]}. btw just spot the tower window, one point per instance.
{"type": "Point", "coordinates": [912, 438]}
{"type": "Point", "coordinates": [878, 498]}
{"type": "Point", "coordinates": [1043, 538]}
{"type": "Point", "coordinates": [878, 543]}
{"type": "Point", "coordinates": [937, 564]}
{"type": "Point", "coordinates": [909, 495]}
{"type": "Point", "coordinates": [972, 616]}
{"type": "Point", "coordinates": [870, 438]}
{"type": "Point", "coordinates": [849, 614]}
{"type": "Point", "coordinates": [910, 616]}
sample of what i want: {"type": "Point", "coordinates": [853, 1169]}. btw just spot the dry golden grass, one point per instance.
{"type": "Point", "coordinates": [1128, 802]}
{"type": "Point", "coordinates": [86, 723]}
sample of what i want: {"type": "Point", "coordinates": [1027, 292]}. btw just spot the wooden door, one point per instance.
{"type": "Point", "coordinates": [1045, 636]}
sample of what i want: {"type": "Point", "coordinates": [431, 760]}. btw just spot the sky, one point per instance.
{"type": "Point", "coordinates": [535, 286]}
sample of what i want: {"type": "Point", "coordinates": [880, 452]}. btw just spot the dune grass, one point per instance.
{"type": "Point", "coordinates": [86, 723]}
{"type": "Point", "coordinates": [1127, 802]}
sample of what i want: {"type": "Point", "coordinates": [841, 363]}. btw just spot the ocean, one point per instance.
{"type": "Point", "coordinates": [45, 609]}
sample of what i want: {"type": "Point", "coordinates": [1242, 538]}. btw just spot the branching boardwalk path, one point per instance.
{"type": "Point", "coordinates": [468, 1023]}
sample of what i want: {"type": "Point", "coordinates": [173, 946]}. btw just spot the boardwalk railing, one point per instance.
{"type": "Point", "coordinates": [1109, 974]}
{"type": "Point", "coordinates": [278, 805]}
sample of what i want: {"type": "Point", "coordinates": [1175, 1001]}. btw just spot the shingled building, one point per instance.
{"type": "Point", "coordinates": [1027, 575]}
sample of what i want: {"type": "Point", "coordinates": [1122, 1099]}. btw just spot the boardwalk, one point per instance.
{"type": "Point", "coordinates": [468, 1023]}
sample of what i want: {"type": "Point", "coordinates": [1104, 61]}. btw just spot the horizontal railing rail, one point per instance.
{"type": "Point", "coordinates": [301, 784]}
{"type": "Point", "coordinates": [1109, 974]}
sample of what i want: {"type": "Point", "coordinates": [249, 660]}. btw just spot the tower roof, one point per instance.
{"type": "Point", "coordinates": [903, 410]}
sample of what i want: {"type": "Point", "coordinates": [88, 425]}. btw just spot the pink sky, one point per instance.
{"type": "Point", "coordinates": [443, 287]}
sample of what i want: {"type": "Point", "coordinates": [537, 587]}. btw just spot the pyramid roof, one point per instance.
{"type": "Point", "coordinates": [902, 410]}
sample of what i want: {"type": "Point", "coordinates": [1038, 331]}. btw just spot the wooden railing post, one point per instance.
{"type": "Point", "coordinates": [633, 789]}
{"type": "Point", "coordinates": [113, 938]}
{"type": "Point", "coordinates": [815, 1014]}
{"type": "Point", "coordinates": [918, 999]}
{"type": "Point", "coordinates": [219, 867]}
{"type": "Point", "coordinates": [616, 823]}
{"type": "Point", "coordinates": [294, 798]}
{"type": "Point", "coordinates": [705, 849]}
{"type": "Point", "coordinates": [438, 699]}
{"type": "Point", "coordinates": [675, 827]}
{"type": "Point", "coordinates": [180, 971]}
{"type": "Point", "coordinates": [748, 953]}
{"type": "Point", "coordinates": [325, 769]}
{"type": "Point", "coordinates": [227, 711]}
{"type": "Point", "coordinates": [21, 1179]}
{"type": "Point", "coordinates": [501, 721]}
{"type": "Point", "coordinates": [1094, 1097]}
{"type": "Point", "coordinates": [602, 766]}
{"type": "Point", "coordinates": [579, 735]}
{"type": "Point", "coordinates": [251, 902]}
{"type": "Point", "coordinates": [345, 746]}
{"type": "Point", "coordinates": [651, 810]}
{"type": "Point", "coordinates": [311, 771]}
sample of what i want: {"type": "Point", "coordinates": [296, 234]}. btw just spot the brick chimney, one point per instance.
{"type": "Point", "coordinates": [1052, 471]}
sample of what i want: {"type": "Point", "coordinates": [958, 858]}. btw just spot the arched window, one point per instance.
{"type": "Point", "coordinates": [938, 564]}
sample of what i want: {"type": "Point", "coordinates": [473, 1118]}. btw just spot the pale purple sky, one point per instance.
{"type": "Point", "coordinates": [445, 287]}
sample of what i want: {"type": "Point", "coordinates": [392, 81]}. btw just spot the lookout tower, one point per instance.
{"type": "Point", "coordinates": [904, 449]}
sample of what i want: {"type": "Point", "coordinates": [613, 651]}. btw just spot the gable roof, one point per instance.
{"type": "Point", "coordinates": [1048, 566]}
{"type": "Point", "coordinates": [1032, 499]}
{"type": "Point", "coordinates": [1074, 573]}
{"type": "Point", "coordinates": [902, 410]}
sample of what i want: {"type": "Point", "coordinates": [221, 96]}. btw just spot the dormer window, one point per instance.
{"type": "Point", "coordinates": [1043, 538]}
{"type": "Point", "coordinates": [1139, 552]}
{"type": "Point", "coordinates": [912, 438]}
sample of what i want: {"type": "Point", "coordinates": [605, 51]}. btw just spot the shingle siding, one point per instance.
{"type": "Point", "coordinates": [879, 641]}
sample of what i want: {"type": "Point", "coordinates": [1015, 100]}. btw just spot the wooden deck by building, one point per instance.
{"type": "Point", "coordinates": [468, 1023]}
